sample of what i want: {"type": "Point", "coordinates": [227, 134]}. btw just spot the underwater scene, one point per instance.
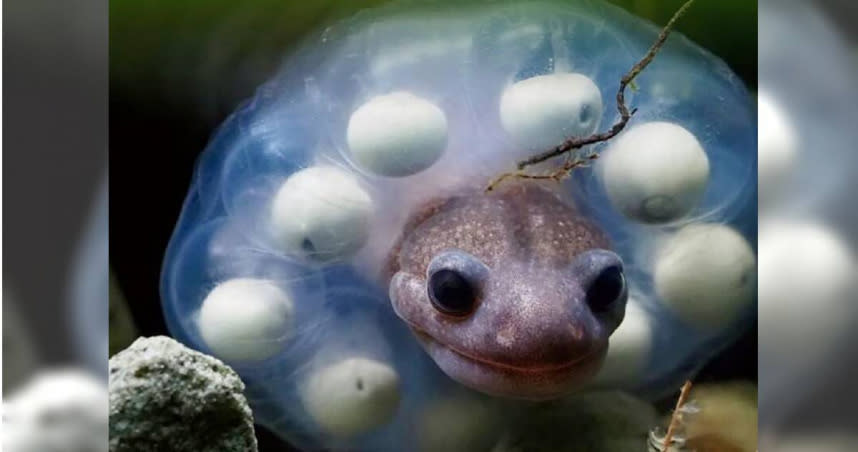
{"type": "Point", "coordinates": [475, 226]}
{"type": "Point", "coordinates": [427, 225]}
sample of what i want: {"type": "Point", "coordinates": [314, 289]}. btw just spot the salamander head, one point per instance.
{"type": "Point", "coordinates": [512, 292]}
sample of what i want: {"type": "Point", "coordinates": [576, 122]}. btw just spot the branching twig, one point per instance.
{"type": "Point", "coordinates": [674, 419]}
{"type": "Point", "coordinates": [556, 175]}
{"type": "Point", "coordinates": [574, 143]}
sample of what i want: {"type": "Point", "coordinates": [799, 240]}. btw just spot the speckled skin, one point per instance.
{"type": "Point", "coordinates": [531, 257]}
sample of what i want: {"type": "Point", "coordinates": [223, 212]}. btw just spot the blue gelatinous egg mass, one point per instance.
{"type": "Point", "coordinates": [279, 264]}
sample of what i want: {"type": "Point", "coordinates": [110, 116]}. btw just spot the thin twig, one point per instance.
{"type": "Point", "coordinates": [674, 418]}
{"type": "Point", "coordinates": [555, 176]}
{"type": "Point", "coordinates": [573, 143]}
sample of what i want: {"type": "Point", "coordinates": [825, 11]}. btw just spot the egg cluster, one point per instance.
{"type": "Point", "coordinates": [277, 263]}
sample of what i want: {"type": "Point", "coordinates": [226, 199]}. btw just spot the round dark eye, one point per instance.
{"type": "Point", "coordinates": [606, 289]}
{"type": "Point", "coordinates": [451, 293]}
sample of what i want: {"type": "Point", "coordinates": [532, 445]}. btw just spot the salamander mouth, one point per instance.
{"type": "Point", "coordinates": [425, 337]}
{"type": "Point", "coordinates": [507, 380]}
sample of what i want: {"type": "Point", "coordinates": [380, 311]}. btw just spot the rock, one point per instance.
{"type": "Point", "coordinates": [167, 397]}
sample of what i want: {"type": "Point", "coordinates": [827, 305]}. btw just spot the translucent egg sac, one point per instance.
{"type": "Point", "coordinates": [359, 170]}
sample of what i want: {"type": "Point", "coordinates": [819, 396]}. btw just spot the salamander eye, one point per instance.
{"type": "Point", "coordinates": [451, 293]}
{"type": "Point", "coordinates": [607, 288]}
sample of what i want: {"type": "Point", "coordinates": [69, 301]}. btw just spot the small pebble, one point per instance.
{"type": "Point", "coordinates": [167, 397]}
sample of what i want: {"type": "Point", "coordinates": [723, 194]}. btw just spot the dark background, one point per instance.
{"type": "Point", "coordinates": [177, 69]}
{"type": "Point", "coordinates": [54, 161]}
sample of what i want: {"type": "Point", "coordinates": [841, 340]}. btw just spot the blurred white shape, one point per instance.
{"type": "Point", "coordinates": [807, 77]}
{"type": "Point", "coordinates": [777, 147]}
{"type": "Point", "coordinates": [806, 315]}
{"type": "Point", "coordinates": [89, 288]}
{"type": "Point", "coordinates": [807, 237]}
{"type": "Point", "coordinates": [58, 411]}
{"type": "Point", "coordinates": [805, 274]}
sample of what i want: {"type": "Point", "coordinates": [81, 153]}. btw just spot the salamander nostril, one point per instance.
{"type": "Point", "coordinates": [451, 293]}
{"type": "Point", "coordinates": [607, 288]}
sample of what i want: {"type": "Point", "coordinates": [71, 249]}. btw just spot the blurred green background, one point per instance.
{"type": "Point", "coordinates": [206, 54]}
{"type": "Point", "coordinates": [178, 68]}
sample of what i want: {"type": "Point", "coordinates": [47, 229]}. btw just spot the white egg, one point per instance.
{"type": "Point", "coordinates": [397, 134]}
{"type": "Point", "coordinates": [628, 348]}
{"type": "Point", "coordinates": [322, 213]}
{"type": "Point", "coordinates": [777, 147]}
{"type": "Point", "coordinates": [541, 112]}
{"type": "Point", "coordinates": [654, 172]}
{"type": "Point", "coordinates": [246, 319]}
{"type": "Point", "coordinates": [706, 273]}
{"type": "Point", "coordinates": [352, 396]}
{"type": "Point", "coordinates": [806, 288]}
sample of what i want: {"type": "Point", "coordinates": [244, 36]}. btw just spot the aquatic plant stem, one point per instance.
{"type": "Point", "coordinates": [674, 418]}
